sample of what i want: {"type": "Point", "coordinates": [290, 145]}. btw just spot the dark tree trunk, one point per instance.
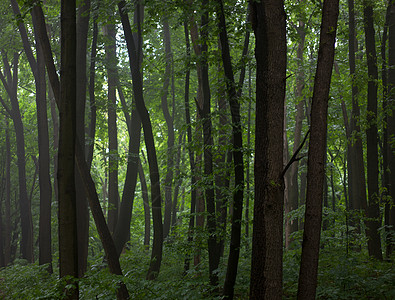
{"type": "Point", "coordinates": [90, 189]}
{"type": "Point", "coordinates": [122, 231]}
{"type": "Point", "coordinates": [45, 244]}
{"type": "Point", "coordinates": [68, 245]}
{"type": "Point", "coordinates": [111, 65]}
{"type": "Point", "coordinates": [268, 19]}
{"type": "Point", "coordinates": [293, 186]}
{"type": "Point", "coordinates": [191, 224]}
{"type": "Point", "coordinates": [10, 84]}
{"type": "Point", "coordinates": [237, 151]}
{"type": "Point", "coordinates": [92, 100]}
{"type": "Point", "coordinates": [38, 70]}
{"type": "Point", "coordinates": [81, 89]}
{"type": "Point", "coordinates": [156, 257]}
{"type": "Point", "coordinates": [147, 214]}
{"type": "Point", "coordinates": [391, 121]}
{"type": "Point", "coordinates": [317, 152]}
{"type": "Point", "coordinates": [373, 223]}
{"type": "Point", "coordinates": [170, 129]}
{"type": "Point", "coordinates": [356, 170]}
{"type": "Point", "coordinates": [7, 206]}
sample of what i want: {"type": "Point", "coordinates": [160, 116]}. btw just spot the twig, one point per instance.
{"type": "Point", "coordinates": [294, 158]}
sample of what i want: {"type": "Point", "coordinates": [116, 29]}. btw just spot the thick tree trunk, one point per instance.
{"type": "Point", "coordinates": [268, 19]}
{"type": "Point", "coordinates": [68, 244]}
{"type": "Point", "coordinates": [81, 89]}
{"type": "Point", "coordinates": [90, 189]}
{"type": "Point", "coordinates": [373, 213]}
{"type": "Point", "coordinates": [317, 152]}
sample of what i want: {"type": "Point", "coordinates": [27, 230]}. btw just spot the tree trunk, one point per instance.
{"type": "Point", "coordinates": [68, 244]}
{"type": "Point", "coordinates": [268, 19]}
{"type": "Point", "coordinates": [111, 65]}
{"type": "Point", "coordinates": [7, 206]}
{"type": "Point", "coordinates": [170, 128]}
{"type": "Point", "coordinates": [82, 28]}
{"type": "Point", "coordinates": [391, 122]}
{"type": "Point", "coordinates": [156, 256]}
{"type": "Point", "coordinates": [317, 152]}
{"type": "Point", "coordinates": [373, 223]}
{"type": "Point", "coordinates": [237, 150]}
{"type": "Point", "coordinates": [10, 84]}
{"type": "Point", "coordinates": [147, 215]}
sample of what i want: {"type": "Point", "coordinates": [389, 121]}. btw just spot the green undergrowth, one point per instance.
{"type": "Point", "coordinates": [342, 275]}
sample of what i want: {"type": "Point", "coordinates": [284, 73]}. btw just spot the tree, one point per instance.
{"type": "Point", "coordinates": [373, 224]}
{"type": "Point", "coordinates": [68, 245]}
{"type": "Point", "coordinates": [268, 20]}
{"type": "Point", "coordinates": [317, 152]}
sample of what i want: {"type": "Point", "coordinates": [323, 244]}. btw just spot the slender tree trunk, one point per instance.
{"type": "Point", "coordinates": [373, 223]}
{"type": "Point", "coordinates": [391, 121]}
{"type": "Point", "coordinates": [317, 152]}
{"type": "Point", "coordinates": [10, 84]}
{"type": "Point", "coordinates": [111, 64]}
{"type": "Point", "coordinates": [268, 19]}
{"type": "Point", "coordinates": [191, 224]}
{"type": "Point", "coordinates": [122, 231]}
{"type": "Point", "coordinates": [170, 128]}
{"type": "Point", "coordinates": [237, 151]}
{"type": "Point", "coordinates": [147, 215]}
{"type": "Point", "coordinates": [45, 244]}
{"type": "Point", "coordinates": [156, 256]}
{"type": "Point", "coordinates": [7, 206]}
{"type": "Point", "coordinates": [92, 100]}
{"type": "Point", "coordinates": [68, 244]}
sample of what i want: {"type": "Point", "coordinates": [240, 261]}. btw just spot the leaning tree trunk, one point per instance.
{"type": "Point", "coordinates": [268, 19]}
{"type": "Point", "coordinates": [317, 152]}
{"type": "Point", "coordinates": [237, 150]}
{"type": "Point", "coordinates": [156, 256]}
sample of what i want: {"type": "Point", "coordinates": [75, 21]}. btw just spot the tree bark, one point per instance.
{"type": "Point", "coordinates": [156, 256]}
{"type": "Point", "coordinates": [68, 244]}
{"type": "Point", "coordinates": [391, 121]}
{"type": "Point", "coordinates": [373, 223]}
{"type": "Point", "coordinates": [10, 84]}
{"type": "Point", "coordinates": [317, 152]}
{"type": "Point", "coordinates": [268, 19]}
{"type": "Point", "coordinates": [170, 128]}
{"type": "Point", "coordinates": [111, 65]}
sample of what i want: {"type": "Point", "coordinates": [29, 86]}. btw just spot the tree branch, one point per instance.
{"type": "Point", "coordinates": [294, 158]}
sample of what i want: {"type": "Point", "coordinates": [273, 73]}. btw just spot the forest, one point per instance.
{"type": "Point", "coordinates": [197, 149]}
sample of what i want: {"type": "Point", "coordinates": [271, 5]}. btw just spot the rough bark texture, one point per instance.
{"type": "Point", "coordinates": [317, 152]}
{"type": "Point", "coordinates": [373, 223]}
{"type": "Point", "coordinates": [268, 19]}
{"type": "Point", "coordinates": [67, 212]}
